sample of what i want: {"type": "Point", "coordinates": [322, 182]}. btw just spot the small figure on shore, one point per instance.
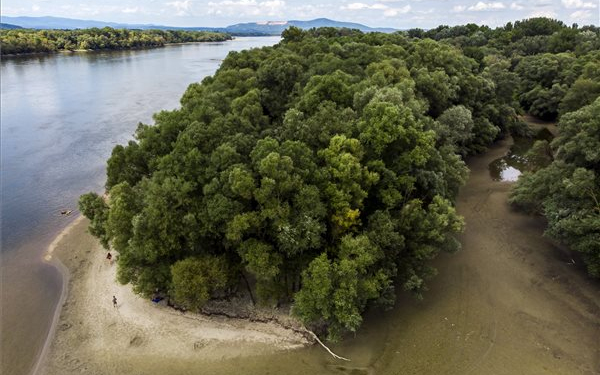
{"type": "Point", "coordinates": [109, 257]}
{"type": "Point", "coordinates": [114, 301]}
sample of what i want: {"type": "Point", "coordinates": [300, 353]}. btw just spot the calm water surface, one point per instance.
{"type": "Point", "coordinates": [515, 162]}
{"type": "Point", "coordinates": [61, 115]}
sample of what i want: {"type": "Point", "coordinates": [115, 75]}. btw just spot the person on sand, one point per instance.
{"type": "Point", "coordinates": [109, 257]}
{"type": "Point", "coordinates": [114, 301]}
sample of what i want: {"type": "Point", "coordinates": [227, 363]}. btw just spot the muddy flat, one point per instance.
{"type": "Point", "coordinates": [510, 302]}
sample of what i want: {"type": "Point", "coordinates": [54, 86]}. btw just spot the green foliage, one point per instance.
{"type": "Point", "coordinates": [119, 224]}
{"type": "Point", "coordinates": [455, 126]}
{"type": "Point", "coordinates": [337, 291]}
{"type": "Point", "coordinates": [549, 67]}
{"type": "Point", "coordinates": [581, 93]}
{"type": "Point", "coordinates": [196, 279]}
{"type": "Point", "coordinates": [327, 166]}
{"type": "Point", "coordinates": [94, 208]}
{"type": "Point", "coordinates": [544, 82]}
{"type": "Point", "coordinates": [21, 41]}
{"type": "Point", "coordinates": [126, 164]}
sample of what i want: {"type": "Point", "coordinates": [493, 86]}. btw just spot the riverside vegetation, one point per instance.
{"type": "Point", "coordinates": [20, 41]}
{"type": "Point", "coordinates": [326, 167]}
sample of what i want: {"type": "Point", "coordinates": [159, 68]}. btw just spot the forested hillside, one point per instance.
{"type": "Point", "coordinates": [19, 41]}
{"type": "Point", "coordinates": [325, 167]}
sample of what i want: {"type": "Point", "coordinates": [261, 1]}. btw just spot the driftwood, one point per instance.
{"type": "Point", "coordinates": [314, 336]}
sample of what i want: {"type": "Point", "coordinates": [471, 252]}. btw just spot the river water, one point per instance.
{"type": "Point", "coordinates": [510, 166]}
{"type": "Point", "coordinates": [61, 115]}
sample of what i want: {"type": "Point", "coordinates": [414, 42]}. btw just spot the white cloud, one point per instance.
{"type": "Point", "coordinates": [459, 8]}
{"type": "Point", "coordinates": [35, 8]}
{"type": "Point", "coordinates": [393, 12]}
{"type": "Point", "coordinates": [247, 8]}
{"type": "Point", "coordinates": [481, 6]}
{"type": "Point", "coordinates": [515, 6]}
{"type": "Point", "coordinates": [577, 4]}
{"type": "Point", "coordinates": [360, 6]}
{"type": "Point", "coordinates": [131, 10]}
{"type": "Point", "coordinates": [182, 7]}
{"type": "Point", "coordinates": [272, 8]}
{"type": "Point", "coordinates": [311, 11]}
{"type": "Point", "coordinates": [387, 10]}
{"type": "Point", "coordinates": [581, 15]}
{"type": "Point", "coordinates": [542, 13]}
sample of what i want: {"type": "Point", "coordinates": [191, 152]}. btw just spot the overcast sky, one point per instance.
{"type": "Point", "coordinates": [390, 13]}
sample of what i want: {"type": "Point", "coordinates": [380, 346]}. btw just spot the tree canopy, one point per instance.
{"type": "Point", "coordinates": [551, 71]}
{"type": "Point", "coordinates": [325, 167]}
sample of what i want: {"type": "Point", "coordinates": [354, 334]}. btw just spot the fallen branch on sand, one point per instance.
{"type": "Point", "coordinates": [314, 336]}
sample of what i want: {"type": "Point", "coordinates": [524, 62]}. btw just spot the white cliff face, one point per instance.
{"type": "Point", "coordinates": [272, 23]}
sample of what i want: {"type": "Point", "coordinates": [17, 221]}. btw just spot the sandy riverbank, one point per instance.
{"type": "Point", "coordinates": [138, 336]}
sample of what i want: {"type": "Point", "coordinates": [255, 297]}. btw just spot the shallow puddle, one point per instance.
{"type": "Point", "coordinates": [510, 166]}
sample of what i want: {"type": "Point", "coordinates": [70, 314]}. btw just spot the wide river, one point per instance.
{"type": "Point", "coordinates": [61, 116]}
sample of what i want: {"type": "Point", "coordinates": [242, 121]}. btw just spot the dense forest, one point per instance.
{"type": "Point", "coordinates": [557, 73]}
{"type": "Point", "coordinates": [325, 168]}
{"type": "Point", "coordinates": [19, 41]}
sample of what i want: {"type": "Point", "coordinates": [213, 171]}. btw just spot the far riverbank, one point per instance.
{"type": "Point", "coordinates": [73, 51]}
{"type": "Point", "coordinates": [36, 41]}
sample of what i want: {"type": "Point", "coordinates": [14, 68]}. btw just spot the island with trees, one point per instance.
{"type": "Point", "coordinates": [324, 169]}
{"type": "Point", "coordinates": [24, 41]}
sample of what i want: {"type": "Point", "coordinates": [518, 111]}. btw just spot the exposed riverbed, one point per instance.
{"type": "Point", "coordinates": [510, 302]}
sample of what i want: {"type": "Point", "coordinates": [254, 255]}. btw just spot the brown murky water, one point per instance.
{"type": "Point", "coordinates": [510, 166]}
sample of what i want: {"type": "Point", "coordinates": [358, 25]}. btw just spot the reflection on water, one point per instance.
{"type": "Point", "coordinates": [61, 116]}
{"type": "Point", "coordinates": [510, 166]}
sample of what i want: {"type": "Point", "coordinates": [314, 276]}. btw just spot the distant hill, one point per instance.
{"type": "Point", "coordinates": [9, 26]}
{"type": "Point", "coordinates": [252, 28]}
